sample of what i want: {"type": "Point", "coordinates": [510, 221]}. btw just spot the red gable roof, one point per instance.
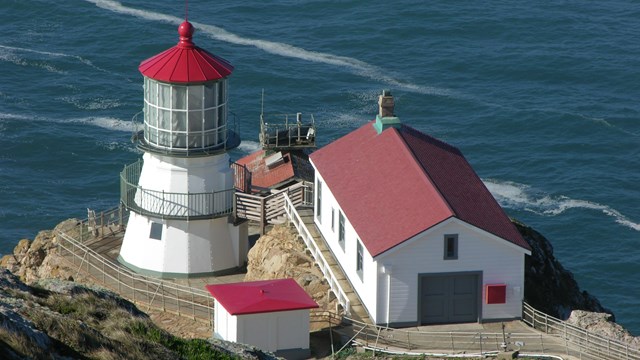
{"type": "Point", "coordinates": [185, 62]}
{"type": "Point", "coordinates": [255, 297]}
{"type": "Point", "coordinates": [401, 182]}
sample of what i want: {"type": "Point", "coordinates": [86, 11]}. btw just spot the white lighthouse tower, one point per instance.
{"type": "Point", "coordinates": [180, 195]}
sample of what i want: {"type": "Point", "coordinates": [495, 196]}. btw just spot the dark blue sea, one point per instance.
{"type": "Point", "coordinates": [542, 97]}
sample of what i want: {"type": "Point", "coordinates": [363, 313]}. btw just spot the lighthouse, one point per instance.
{"type": "Point", "coordinates": [180, 194]}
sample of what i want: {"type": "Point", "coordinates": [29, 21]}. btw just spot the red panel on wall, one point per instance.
{"type": "Point", "coordinates": [495, 293]}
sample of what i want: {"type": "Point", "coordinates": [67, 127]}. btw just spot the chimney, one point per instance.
{"type": "Point", "coordinates": [386, 118]}
{"type": "Point", "coordinates": [385, 102]}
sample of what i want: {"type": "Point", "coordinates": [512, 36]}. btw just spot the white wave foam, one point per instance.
{"type": "Point", "coordinates": [119, 146]}
{"type": "Point", "coordinates": [6, 116]}
{"type": "Point", "coordinates": [604, 122]}
{"type": "Point", "coordinates": [10, 56]}
{"type": "Point", "coordinates": [106, 123]}
{"type": "Point", "coordinates": [248, 146]}
{"type": "Point", "coordinates": [523, 197]}
{"type": "Point", "coordinates": [356, 66]}
{"type": "Point", "coordinates": [93, 104]}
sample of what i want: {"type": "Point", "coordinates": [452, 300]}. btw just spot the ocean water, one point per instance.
{"type": "Point", "coordinates": [542, 98]}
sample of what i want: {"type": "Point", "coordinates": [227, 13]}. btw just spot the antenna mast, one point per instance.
{"type": "Point", "coordinates": [262, 105]}
{"type": "Point", "coordinates": [186, 10]}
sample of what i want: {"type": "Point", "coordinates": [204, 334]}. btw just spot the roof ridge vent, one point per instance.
{"type": "Point", "coordinates": [386, 118]}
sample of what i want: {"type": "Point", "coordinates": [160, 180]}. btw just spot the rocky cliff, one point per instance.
{"type": "Point", "coordinates": [549, 287]}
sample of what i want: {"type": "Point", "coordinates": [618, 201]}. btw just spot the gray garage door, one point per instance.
{"type": "Point", "coordinates": [449, 298]}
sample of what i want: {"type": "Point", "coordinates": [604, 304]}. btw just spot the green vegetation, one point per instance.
{"type": "Point", "coordinates": [194, 349]}
{"type": "Point", "coordinates": [62, 319]}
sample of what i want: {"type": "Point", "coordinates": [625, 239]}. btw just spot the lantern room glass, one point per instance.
{"type": "Point", "coordinates": [185, 117]}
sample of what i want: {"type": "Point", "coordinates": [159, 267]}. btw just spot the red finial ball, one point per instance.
{"type": "Point", "coordinates": [185, 30]}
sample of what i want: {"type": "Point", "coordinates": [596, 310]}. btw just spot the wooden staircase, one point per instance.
{"type": "Point", "coordinates": [358, 311]}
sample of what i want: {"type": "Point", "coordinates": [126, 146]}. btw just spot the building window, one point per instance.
{"type": "Point", "coordinates": [156, 231]}
{"type": "Point", "coordinates": [319, 200]}
{"type": "Point", "coordinates": [359, 259]}
{"type": "Point", "coordinates": [341, 229]}
{"type": "Point", "coordinates": [333, 219]}
{"type": "Point", "coordinates": [451, 247]}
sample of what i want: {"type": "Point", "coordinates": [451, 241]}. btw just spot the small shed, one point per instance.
{"type": "Point", "coordinates": [272, 315]}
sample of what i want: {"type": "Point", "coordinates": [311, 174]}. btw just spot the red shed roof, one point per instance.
{"type": "Point", "coordinates": [402, 182]}
{"type": "Point", "coordinates": [185, 62]}
{"type": "Point", "coordinates": [255, 297]}
{"type": "Point", "coordinates": [264, 177]}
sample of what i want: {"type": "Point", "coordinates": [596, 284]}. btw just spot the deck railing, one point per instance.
{"type": "Point", "coordinates": [142, 290]}
{"type": "Point", "coordinates": [585, 343]}
{"type": "Point", "coordinates": [321, 261]}
{"type": "Point", "coordinates": [270, 209]}
{"type": "Point", "coordinates": [287, 131]}
{"type": "Point", "coordinates": [171, 205]}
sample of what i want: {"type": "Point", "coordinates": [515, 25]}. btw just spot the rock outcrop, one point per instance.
{"type": "Point", "coordinates": [604, 325]}
{"type": "Point", "coordinates": [33, 260]}
{"type": "Point", "coordinates": [280, 254]}
{"type": "Point", "coordinates": [549, 287]}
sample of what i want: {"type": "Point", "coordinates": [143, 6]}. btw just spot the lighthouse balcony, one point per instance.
{"type": "Point", "coordinates": [171, 205]}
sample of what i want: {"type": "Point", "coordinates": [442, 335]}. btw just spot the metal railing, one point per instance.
{"type": "Point", "coordinates": [142, 290]}
{"type": "Point", "coordinates": [321, 261]}
{"type": "Point", "coordinates": [171, 205]}
{"type": "Point", "coordinates": [586, 344]}
{"type": "Point", "coordinates": [414, 341]}
{"type": "Point", "coordinates": [241, 177]}
{"type": "Point", "coordinates": [286, 133]}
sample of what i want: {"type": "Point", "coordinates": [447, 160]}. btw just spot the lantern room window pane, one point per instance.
{"type": "Point", "coordinates": [195, 140]}
{"type": "Point", "coordinates": [179, 121]}
{"type": "Point", "coordinates": [179, 100]}
{"type": "Point", "coordinates": [222, 93]}
{"type": "Point", "coordinates": [153, 92]}
{"type": "Point", "coordinates": [165, 96]}
{"type": "Point", "coordinates": [210, 119]}
{"type": "Point", "coordinates": [164, 119]}
{"type": "Point", "coordinates": [179, 140]}
{"type": "Point", "coordinates": [210, 95]}
{"type": "Point", "coordinates": [152, 117]}
{"type": "Point", "coordinates": [210, 139]}
{"type": "Point", "coordinates": [195, 97]}
{"type": "Point", "coordinates": [163, 138]}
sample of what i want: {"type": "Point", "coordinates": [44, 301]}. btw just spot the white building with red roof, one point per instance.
{"type": "Point", "coordinates": [272, 315]}
{"type": "Point", "coordinates": [415, 230]}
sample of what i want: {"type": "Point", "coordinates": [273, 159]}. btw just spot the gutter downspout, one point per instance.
{"type": "Point", "coordinates": [387, 270]}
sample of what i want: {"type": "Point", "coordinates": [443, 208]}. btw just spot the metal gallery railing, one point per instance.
{"type": "Point", "coordinates": [171, 205]}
